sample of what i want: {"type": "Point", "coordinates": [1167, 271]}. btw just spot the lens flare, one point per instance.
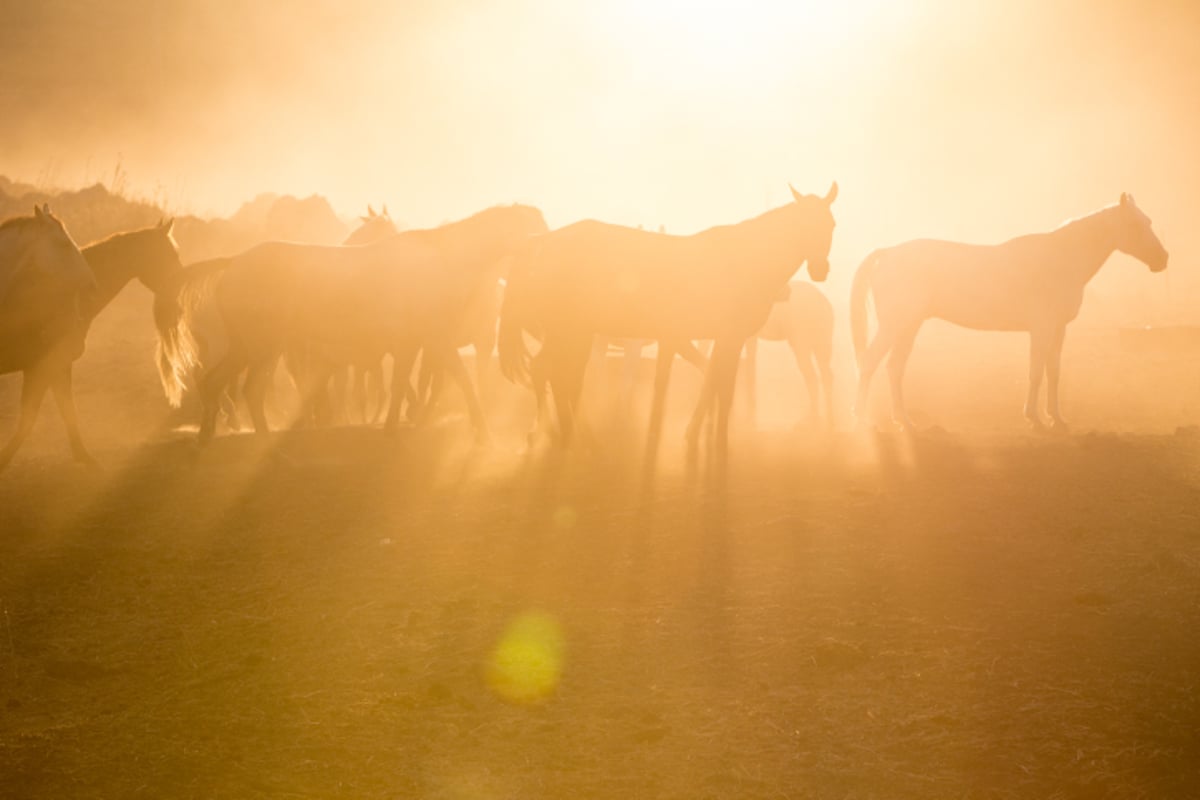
{"type": "Point", "coordinates": [525, 665]}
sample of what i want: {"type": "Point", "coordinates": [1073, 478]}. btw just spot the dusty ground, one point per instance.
{"type": "Point", "coordinates": [971, 612]}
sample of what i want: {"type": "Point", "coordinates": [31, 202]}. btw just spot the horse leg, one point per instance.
{"type": "Point", "coordinates": [1038, 346]}
{"type": "Point", "coordinates": [485, 345]}
{"type": "Point", "coordinates": [726, 355]}
{"type": "Point", "coordinates": [402, 364]}
{"type": "Point", "coordinates": [33, 389]}
{"type": "Point", "coordinates": [1053, 364]}
{"type": "Point", "coordinates": [691, 354]}
{"type": "Point", "coordinates": [373, 391]}
{"type": "Point", "coordinates": [897, 361]}
{"type": "Point", "coordinates": [64, 395]}
{"type": "Point", "coordinates": [432, 382]}
{"type": "Point", "coordinates": [212, 386]}
{"type": "Point", "coordinates": [315, 403]}
{"type": "Point", "coordinates": [867, 365]}
{"type": "Point", "coordinates": [539, 382]}
{"type": "Point", "coordinates": [752, 379]}
{"type": "Point", "coordinates": [804, 362]}
{"type": "Point", "coordinates": [255, 391]}
{"type": "Point", "coordinates": [458, 371]}
{"type": "Point", "coordinates": [339, 387]}
{"type": "Point", "coordinates": [662, 381]}
{"type": "Point", "coordinates": [703, 406]}
{"type": "Point", "coordinates": [566, 366]}
{"type": "Point", "coordinates": [229, 409]}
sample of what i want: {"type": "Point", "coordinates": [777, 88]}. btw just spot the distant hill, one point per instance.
{"type": "Point", "coordinates": [95, 212]}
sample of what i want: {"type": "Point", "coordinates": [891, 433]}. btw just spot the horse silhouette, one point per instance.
{"type": "Point", "coordinates": [805, 321]}
{"type": "Point", "coordinates": [479, 328]}
{"type": "Point", "coordinates": [1032, 283]}
{"type": "Point", "coordinates": [401, 295]}
{"type": "Point", "coordinates": [594, 278]}
{"type": "Point", "coordinates": [50, 293]}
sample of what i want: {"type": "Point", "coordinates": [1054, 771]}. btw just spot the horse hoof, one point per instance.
{"type": "Point", "coordinates": [1059, 427]}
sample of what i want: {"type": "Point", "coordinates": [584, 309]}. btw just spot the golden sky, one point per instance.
{"type": "Point", "coordinates": [971, 120]}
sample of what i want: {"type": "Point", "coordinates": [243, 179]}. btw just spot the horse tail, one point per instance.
{"type": "Point", "coordinates": [178, 350]}
{"type": "Point", "coordinates": [858, 302]}
{"type": "Point", "coordinates": [510, 340]}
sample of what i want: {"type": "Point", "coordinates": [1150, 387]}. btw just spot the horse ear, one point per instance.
{"type": "Point", "coordinates": [1124, 198]}
{"type": "Point", "coordinates": [37, 212]}
{"type": "Point", "coordinates": [795, 194]}
{"type": "Point", "coordinates": [832, 195]}
{"type": "Point", "coordinates": [383, 211]}
{"type": "Point", "coordinates": [370, 211]}
{"type": "Point", "coordinates": [167, 225]}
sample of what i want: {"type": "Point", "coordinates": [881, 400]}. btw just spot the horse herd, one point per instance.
{"type": "Point", "coordinates": [502, 280]}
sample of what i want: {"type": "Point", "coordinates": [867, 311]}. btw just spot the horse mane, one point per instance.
{"type": "Point", "coordinates": [113, 238]}
{"type": "Point", "coordinates": [749, 221]}
{"type": "Point", "coordinates": [1083, 217]}
{"type": "Point", "coordinates": [175, 309]}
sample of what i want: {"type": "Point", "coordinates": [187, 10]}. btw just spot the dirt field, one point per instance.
{"type": "Point", "coordinates": [975, 611]}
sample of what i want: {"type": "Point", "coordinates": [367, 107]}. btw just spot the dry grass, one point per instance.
{"type": "Point", "coordinates": [311, 617]}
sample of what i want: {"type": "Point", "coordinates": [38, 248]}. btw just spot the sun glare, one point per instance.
{"type": "Point", "coordinates": [696, 43]}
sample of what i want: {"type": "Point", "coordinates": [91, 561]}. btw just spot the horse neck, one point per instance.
{"type": "Point", "coordinates": [1089, 241]}
{"type": "Point", "coordinates": [113, 268]}
{"type": "Point", "coordinates": [767, 248]}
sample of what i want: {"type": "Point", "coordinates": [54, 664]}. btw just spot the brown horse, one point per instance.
{"type": "Point", "coordinates": [592, 278]}
{"type": "Point", "coordinates": [55, 329]}
{"type": "Point", "coordinates": [403, 294]}
{"type": "Point", "coordinates": [1032, 283]}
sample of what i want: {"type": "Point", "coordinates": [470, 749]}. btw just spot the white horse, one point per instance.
{"type": "Point", "coordinates": [1032, 283]}
{"type": "Point", "coordinates": [805, 321]}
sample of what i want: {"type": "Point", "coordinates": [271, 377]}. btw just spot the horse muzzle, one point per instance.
{"type": "Point", "coordinates": [1159, 264]}
{"type": "Point", "coordinates": [818, 270]}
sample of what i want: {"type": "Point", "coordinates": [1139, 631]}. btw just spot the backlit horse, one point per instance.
{"type": "Point", "coordinates": [1032, 283]}
{"type": "Point", "coordinates": [55, 291]}
{"type": "Point", "coordinates": [401, 295]}
{"type": "Point", "coordinates": [592, 279]}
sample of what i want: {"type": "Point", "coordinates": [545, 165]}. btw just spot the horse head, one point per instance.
{"type": "Point", "coordinates": [372, 228]}
{"type": "Point", "coordinates": [1136, 237]}
{"type": "Point", "coordinates": [814, 220]}
{"type": "Point", "coordinates": [157, 258]}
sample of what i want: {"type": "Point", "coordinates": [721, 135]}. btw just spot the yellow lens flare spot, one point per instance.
{"type": "Point", "coordinates": [525, 665]}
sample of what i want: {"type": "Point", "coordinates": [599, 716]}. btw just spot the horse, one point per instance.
{"type": "Point", "coordinates": [479, 327]}
{"type": "Point", "coordinates": [593, 278]}
{"type": "Point", "coordinates": [52, 336]}
{"type": "Point", "coordinates": [631, 356]}
{"type": "Point", "coordinates": [805, 321]}
{"type": "Point", "coordinates": [357, 391]}
{"type": "Point", "coordinates": [1033, 283]}
{"type": "Point", "coordinates": [403, 294]}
